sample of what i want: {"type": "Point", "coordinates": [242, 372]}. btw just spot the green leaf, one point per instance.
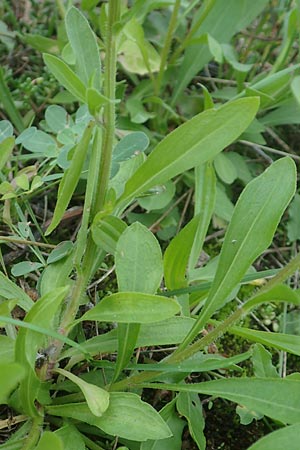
{"type": "Point", "coordinates": [139, 268]}
{"type": "Point", "coordinates": [56, 274]}
{"type": "Point", "coordinates": [106, 231]}
{"type": "Point", "coordinates": [201, 139]}
{"type": "Point", "coordinates": [10, 375]}
{"type": "Point", "coordinates": [62, 250]}
{"type": "Point", "coordinates": [6, 307]}
{"type": "Point", "coordinates": [178, 253]}
{"type": "Point", "coordinates": [138, 260]}
{"type": "Point", "coordinates": [130, 145]}
{"type": "Point", "coordinates": [225, 169]}
{"type": "Point", "coordinates": [36, 141]}
{"type": "Point", "coordinates": [133, 307]}
{"type": "Point", "coordinates": [7, 349]}
{"type": "Point", "coordinates": [10, 290]}
{"type": "Point", "coordinates": [70, 437]}
{"type": "Point", "coordinates": [28, 342]}
{"type": "Point", "coordinates": [42, 43]}
{"type": "Point", "coordinates": [56, 118]}
{"type": "Point", "coordinates": [286, 342]}
{"type": "Point", "coordinates": [67, 78]}
{"type": "Point", "coordinates": [49, 441]}
{"type": "Point", "coordinates": [160, 199]}
{"type": "Point", "coordinates": [276, 398]}
{"type": "Point", "coordinates": [293, 225]}
{"type": "Point", "coordinates": [281, 293]}
{"type": "Point", "coordinates": [205, 196]}
{"type": "Point", "coordinates": [6, 147]}
{"type": "Point", "coordinates": [189, 406]}
{"type": "Point", "coordinates": [95, 100]}
{"type": "Point", "coordinates": [97, 398]}
{"type": "Point", "coordinates": [6, 130]}
{"type": "Point", "coordinates": [262, 363]}
{"type": "Point", "coordinates": [71, 177]}
{"type": "Point", "coordinates": [255, 219]}
{"type": "Point", "coordinates": [287, 437]}
{"type": "Point", "coordinates": [25, 267]}
{"type": "Point", "coordinates": [127, 417]}
{"type": "Point", "coordinates": [85, 47]}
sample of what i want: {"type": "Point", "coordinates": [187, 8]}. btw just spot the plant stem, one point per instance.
{"type": "Point", "coordinates": [34, 434]}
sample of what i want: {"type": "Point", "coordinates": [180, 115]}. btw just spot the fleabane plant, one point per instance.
{"type": "Point", "coordinates": [93, 407]}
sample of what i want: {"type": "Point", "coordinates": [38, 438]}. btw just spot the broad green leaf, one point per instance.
{"type": "Point", "coordinates": [160, 199]}
{"type": "Point", "coordinates": [28, 342]}
{"type": "Point", "coordinates": [255, 219]}
{"type": "Point", "coordinates": [65, 76]}
{"type": "Point", "coordinates": [70, 178]}
{"type": "Point", "coordinates": [56, 118]}
{"type": "Point", "coordinates": [139, 268]}
{"type": "Point", "coordinates": [176, 425]}
{"type": "Point", "coordinates": [130, 145]}
{"type": "Point", "coordinates": [106, 231]}
{"type": "Point", "coordinates": [85, 47]}
{"type": "Point", "coordinates": [97, 398]}
{"type": "Point", "coordinates": [262, 363]}
{"type": "Point", "coordinates": [10, 375]}
{"type": "Point", "coordinates": [6, 147]}
{"type": "Point", "coordinates": [70, 437]}
{"type": "Point", "coordinates": [6, 130]}
{"type": "Point", "coordinates": [284, 438]}
{"type": "Point", "coordinates": [205, 193]}
{"type": "Point", "coordinates": [36, 141]}
{"type": "Point", "coordinates": [225, 169]}
{"type": "Point", "coordinates": [10, 290]}
{"type": "Point", "coordinates": [189, 406]}
{"type": "Point", "coordinates": [133, 307]}
{"type": "Point", "coordinates": [127, 417]}
{"type": "Point", "coordinates": [276, 398]}
{"type": "Point", "coordinates": [201, 139]}
{"type": "Point", "coordinates": [295, 87]}
{"type": "Point", "coordinates": [138, 260]}
{"type": "Point", "coordinates": [62, 250]}
{"type": "Point", "coordinates": [286, 342]}
{"type": "Point", "coordinates": [49, 441]}
{"type": "Point", "coordinates": [56, 274]}
{"type": "Point", "coordinates": [7, 349]}
{"type": "Point", "coordinates": [24, 267]}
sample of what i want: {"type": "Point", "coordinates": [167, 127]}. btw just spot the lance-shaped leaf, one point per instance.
{"type": "Point", "coordinates": [191, 144]}
{"type": "Point", "coordinates": [274, 397]}
{"type": "Point", "coordinates": [67, 78]}
{"type": "Point", "coordinates": [96, 397]}
{"type": "Point", "coordinates": [84, 44]}
{"type": "Point", "coordinates": [71, 177]}
{"type": "Point", "coordinates": [133, 307]}
{"type": "Point", "coordinates": [250, 232]}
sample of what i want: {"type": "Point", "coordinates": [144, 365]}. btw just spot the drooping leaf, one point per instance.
{"type": "Point", "coordinates": [97, 398]}
{"type": "Point", "coordinates": [191, 144]}
{"type": "Point", "coordinates": [127, 416]}
{"type": "Point", "coordinates": [262, 363]}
